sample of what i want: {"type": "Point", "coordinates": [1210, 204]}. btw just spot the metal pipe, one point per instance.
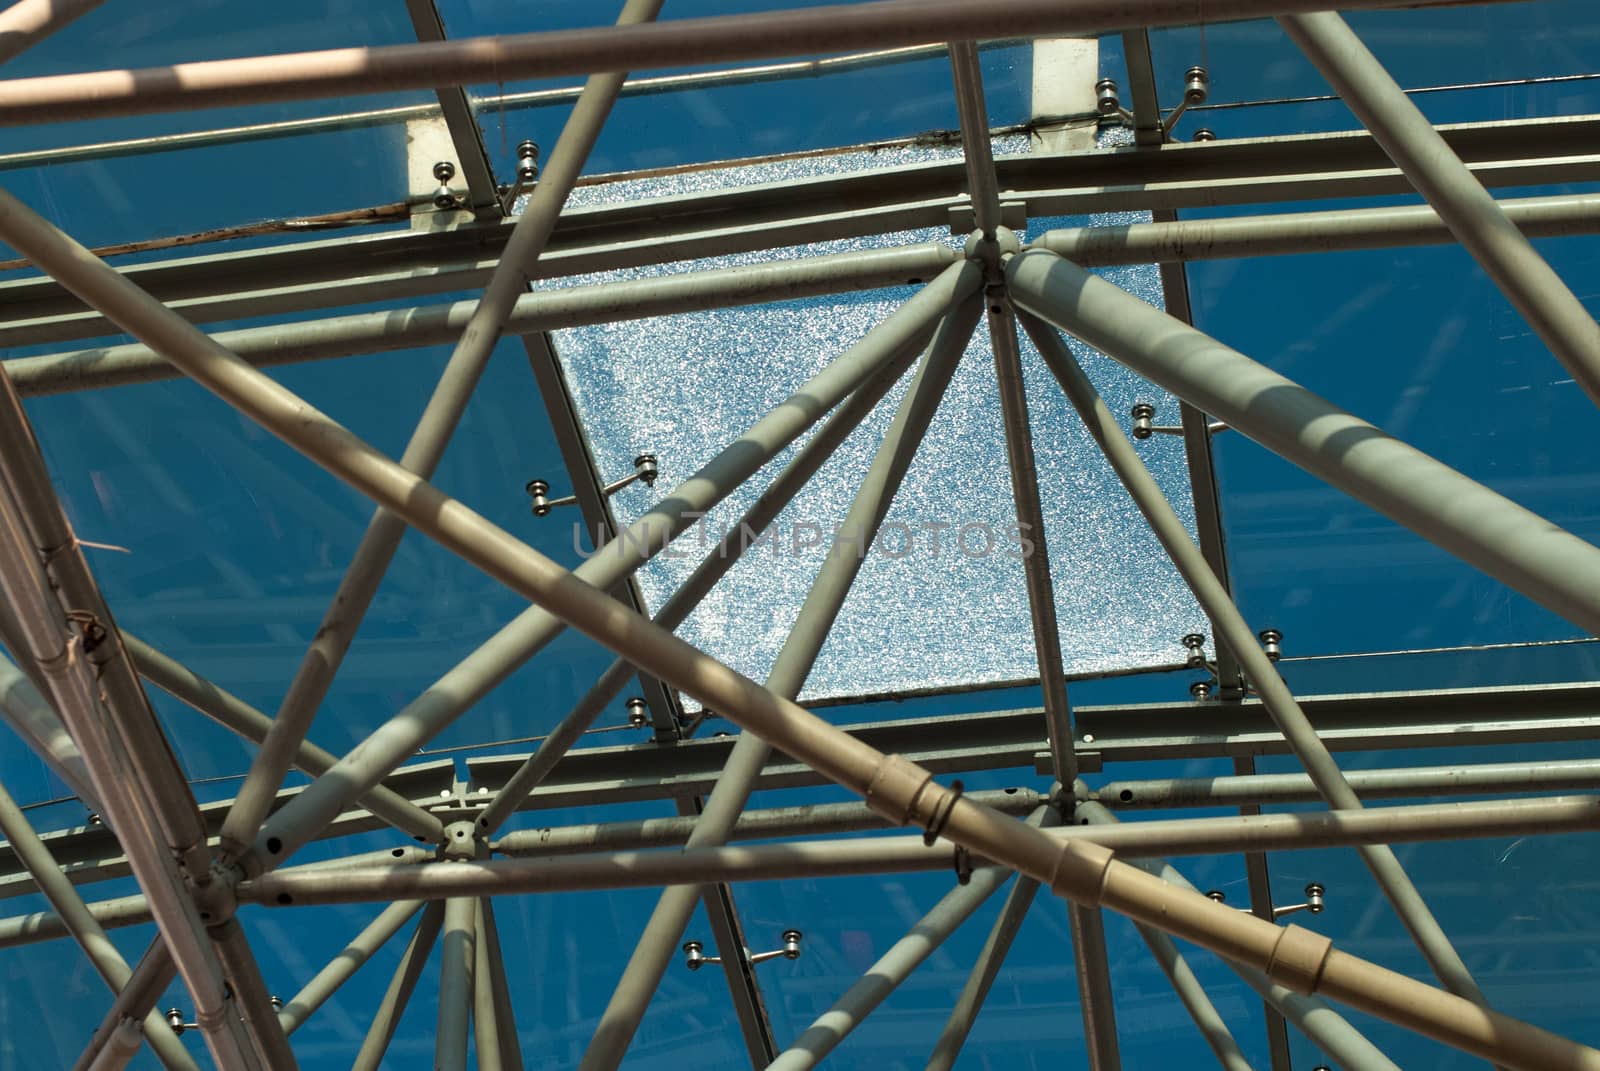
{"type": "Point", "coordinates": [1096, 1001]}
{"type": "Point", "coordinates": [514, 644]}
{"type": "Point", "coordinates": [387, 1015]}
{"type": "Point", "coordinates": [510, 1045]}
{"type": "Point", "coordinates": [1182, 241]}
{"type": "Point", "coordinates": [89, 934]}
{"type": "Point", "coordinates": [1326, 1028]}
{"type": "Point", "coordinates": [810, 820]}
{"type": "Point", "coordinates": [983, 183]}
{"type": "Point", "coordinates": [1192, 994]}
{"type": "Point", "coordinates": [697, 864]}
{"type": "Point", "coordinates": [896, 787]}
{"type": "Point", "coordinates": [458, 947]}
{"type": "Point", "coordinates": [1524, 551]}
{"type": "Point", "coordinates": [826, 597]}
{"type": "Point", "coordinates": [251, 1003]}
{"type": "Point", "coordinates": [1506, 256]}
{"type": "Point", "coordinates": [712, 568]}
{"type": "Point", "coordinates": [150, 978]}
{"type": "Point", "coordinates": [485, 1016]}
{"type": "Point", "coordinates": [228, 710]}
{"type": "Point", "coordinates": [31, 717]}
{"type": "Point", "coordinates": [677, 43]}
{"type": "Point", "coordinates": [983, 974]}
{"type": "Point", "coordinates": [1259, 789]}
{"type": "Point", "coordinates": [339, 970]}
{"type": "Point", "coordinates": [542, 310]}
{"type": "Point", "coordinates": [1233, 630]}
{"type": "Point", "coordinates": [120, 1048]}
{"type": "Point", "coordinates": [27, 22]}
{"type": "Point", "coordinates": [897, 963]}
{"type": "Point", "coordinates": [425, 449]}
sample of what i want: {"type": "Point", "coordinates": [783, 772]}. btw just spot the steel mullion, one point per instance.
{"type": "Point", "coordinates": [460, 119]}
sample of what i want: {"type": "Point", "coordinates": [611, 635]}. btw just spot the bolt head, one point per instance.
{"type": "Point", "coordinates": [1194, 639]}
{"type": "Point", "coordinates": [444, 171]}
{"type": "Point", "coordinates": [1205, 134]}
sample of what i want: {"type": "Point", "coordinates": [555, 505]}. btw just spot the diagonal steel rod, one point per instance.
{"type": "Point", "coordinates": [339, 970]}
{"type": "Point", "coordinates": [485, 1016]}
{"type": "Point", "coordinates": [678, 43]}
{"type": "Point", "coordinates": [1095, 999]}
{"type": "Point", "coordinates": [1326, 1028]}
{"type": "Point", "coordinates": [27, 22]}
{"type": "Point", "coordinates": [228, 710]}
{"type": "Point", "coordinates": [423, 453]}
{"type": "Point", "coordinates": [896, 787]}
{"type": "Point", "coordinates": [1193, 996]}
{"type": "Point", "coordinates": [897, 963]}
{"type": "Point", "coordinates": [983, 182]}
{"type": "Point", "coordinates": [387, 1016]}
{"type": "Point", "coordinates": [681, 603]}
{"type": "Point", "coordinates": [500, 991]}
{"type": "Point", "coordinates": [1528, 282]}
{"type": "Point", "coordinates": [518, 641]}
{"type": "Point", "coordinates": [120, 1048]}
{"type": "Point", "coordinates": [89, 934]}
{"type": "Point", "coordinates": [150, 978]}
{"type": "Point", "coordinates": [1233, 630]}
{"type": "Point", "coordinates": [32, 718]}
{"type": "Point", "coordinates": [1523, 551]}
{"type": "Point", "coordinates": [651, 955]}
{"type": "Point", "coordinates": [458, 947]}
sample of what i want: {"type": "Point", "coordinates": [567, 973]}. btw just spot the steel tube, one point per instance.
{"type": "Point", "coordinates": [31, 717]}
{"type": "Point", "coordinates": [391, 744]}
{"type": "Point", "coordinates": [1523, 551]}
{"type": "Point", "coordinates": [510, 1044]}
{"type": "Point", "coordinates": [896, 787]}
{"type": "Point", "coordinates": [1326, 1028]}
{"type": "Point", "coordinates": [826, 597]}
{"type": "Point", "coordinates": [485, 1016]}
{"type": "Point", "coordinates": [150, 978]}
{"type": "Point", "coordinates": [228, 710]}
{"type": "Point", "coordinates": [896, 964]}
{"type": "Point", "coordinates": [677, 43]}
{"type": "Point", "coordinates": [1260, 789]}
{"type": "Point", "coordinates": [1506, 256]}
{"type": "Point", "coordinates": [1182, 241]}
{"type": "Point", "coordinates": [458, 944]}
{"type": "Point", "coordinates": [712, 568]}
{"type": "Point", "coordinates": [984, 972]}
{"type": "Point", "coordinates": [120, 1048]}
{"type": "Point", "coordinates": [387, 1015]}
{"type": "Point", "coordinates": [89, 934]}
{"type": "Point", "coordinates": [339, 970]}
{"type": "Point", "coordinates": [1195, 1001]}
{"type": "Point", "coordinates": [27, 22]}
{"type": "Point", "coordinates": [542, 310]}
{"type": "Point", "coordinates": [1235, 632]}
{"type": "Point", "coordinates": [867, 855]}
{"type": "Point", "coordinates": [983, 184]}
{"type": "Point", "coordinates": [811, 820]}
{"type": "Point", "coordinates": [423, 452]}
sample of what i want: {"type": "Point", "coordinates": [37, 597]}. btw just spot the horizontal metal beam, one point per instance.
{"type": "Point", "coordinates": [676, 43]}
{"type": "Point", "coordinates": [877, 855]}
{"type": "Point", "coordinates": [344, 271]}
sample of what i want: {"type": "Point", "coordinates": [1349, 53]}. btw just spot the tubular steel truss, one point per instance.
{"type": "Point", "coordinates": [80, 701]}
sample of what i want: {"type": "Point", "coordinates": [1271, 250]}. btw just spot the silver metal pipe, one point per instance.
{"type": "Point", "coordinates": [983, 183]}
{"type": "Point", "coordinates": [1311, 1015]}
{"type": "Point", "coordinates": [425, 449]}
{"type": "Point", "coordinates": [896, 964]}
{"type": "Point", "coordinates": [518, 641]}
{"type": "Point", "coordinates": [1182, 241]}
{"type": "Point", "coordinates": [31, 717]}
{"type": "Point", "coordinates": [542, 310]}
{"type": "Point", "coordinates": [1195, 1001]}
{"type": "Point", "coordinates": [89, 934]}
{"type": "Point", "coordinates": [1506, 256]}
{"type": "Point", "coordinates": [804, 821]}
{"type": "Point", "coordinates": [339, 970]}
{"type": "Point", "coordinates": [458, 945]}
{"type": "Point", "coordinates": [27, 22]}
{"type": "Point", "coordinates": [677, 43]}
{"type": "Point", "coordinates": [871, 503]}
{"type": "Point", "coordinates": [873, 855]}
{"type": "Point", "coordinates": [387, 1016]}
{"type": "Point", "coordinates": [1233, 630]}
{"type": "Point", "coordinates": [150, 978]}
{"type": "Point", "coordinates": [120, 1048]}
{"type": "Point", "coordinates": [229, 711]}
{"type": "Point", "coordinates": [1260, 789]}
{"type": "Point", "coordinates": [1524, 551]}
{"type": "Point", "coordinates": [510, 1044]}
{"type": "Point", "coordinates": [485, 1016]}
{"type": "Point", "coordinates": [712, 568]}
{"type": "Point", "coordinates": [895, 786]}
